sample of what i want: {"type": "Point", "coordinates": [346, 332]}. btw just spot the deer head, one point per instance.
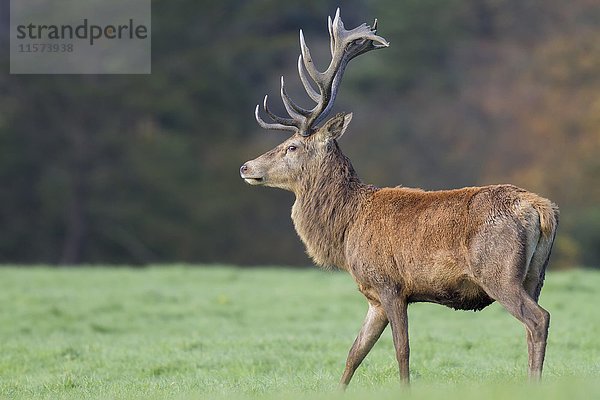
{"type": "Point", "coordinates": [308, 147]}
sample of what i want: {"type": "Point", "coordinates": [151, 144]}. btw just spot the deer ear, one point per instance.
{"type": "Point", "coordinates": [335, 127]}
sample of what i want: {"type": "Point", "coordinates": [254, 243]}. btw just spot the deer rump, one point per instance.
{"type": "Point", "coordinates": [442, 246]}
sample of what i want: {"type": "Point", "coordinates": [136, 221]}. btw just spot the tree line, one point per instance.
{"type": "Point", "coordinates": [143, 169]}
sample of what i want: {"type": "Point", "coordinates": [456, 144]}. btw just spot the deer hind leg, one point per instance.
{"type": "Point", "coordinates": [533, 283]}
{"type": "Point", "coordinates": [537, 268]}
{"type": "Point", "coordinates": [536, 320]}
{"type": "Point", "coordinates": [373, 325]}
{"type": "Point", "coordinates": [504, 282]}
{"type": "Point", "coordinates": [512, 275]}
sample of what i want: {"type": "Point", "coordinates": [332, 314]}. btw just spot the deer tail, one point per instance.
{"type": "Point", "coordinates": [549, 215]}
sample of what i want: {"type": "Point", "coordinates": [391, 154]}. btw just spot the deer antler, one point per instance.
{"type": "Point", "coordinates": [345, 45]}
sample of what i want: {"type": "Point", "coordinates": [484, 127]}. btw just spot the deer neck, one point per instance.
{"type": "Point", "coordinates": [327, 202]}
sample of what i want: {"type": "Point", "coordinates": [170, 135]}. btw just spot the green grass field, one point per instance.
{"type": "Point", "coordinates": [220, 332]}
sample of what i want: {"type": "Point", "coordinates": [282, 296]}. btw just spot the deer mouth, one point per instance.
{"type": "Point", "coordinates": [254, 181]}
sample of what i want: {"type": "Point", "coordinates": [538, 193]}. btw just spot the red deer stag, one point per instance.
{"type": "Point", "coordinates": [463, 248]}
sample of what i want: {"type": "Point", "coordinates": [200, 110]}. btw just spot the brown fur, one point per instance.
{"type": "Point", "coordinates": [462, 248]}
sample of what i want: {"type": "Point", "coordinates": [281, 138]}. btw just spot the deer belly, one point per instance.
{"type": "Point", "coordinates": [462, 295]}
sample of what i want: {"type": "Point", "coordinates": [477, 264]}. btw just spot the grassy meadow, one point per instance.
{"type": "Point", "coordinates": [220, 332]}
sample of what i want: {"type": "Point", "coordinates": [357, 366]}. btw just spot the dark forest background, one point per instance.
{"type": "Point", "coordinates": [144, 169]}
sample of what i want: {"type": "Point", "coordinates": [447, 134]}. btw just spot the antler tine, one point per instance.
{"type": "Point", "coordinates": [279, 127]}
{"type": "Point", "coordinates": [344, 45]}
{"type": "Point", "coordinates": [277, 118]}
{"type": "Point", "coordinates": [331, 38]}
{"type": "Point", "coordinates": [308, 62]}
{"type": "Point", "coordinates": [292, 108]}
{"type": "Point", "coordinates": [312, 93]}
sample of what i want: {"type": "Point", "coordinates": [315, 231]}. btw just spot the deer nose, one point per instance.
{"type": "Point", "coordinates": [243, 169]}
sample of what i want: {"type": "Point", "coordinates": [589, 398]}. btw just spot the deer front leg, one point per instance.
{"type": "Point", "coordinates": [374, 323]}
{"type": "Point", "coordinates": [396, 308]}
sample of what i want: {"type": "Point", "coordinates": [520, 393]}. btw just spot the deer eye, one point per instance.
{"type": "Point", "coordinates": [292, 148]}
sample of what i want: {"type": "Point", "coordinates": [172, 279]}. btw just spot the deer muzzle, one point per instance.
{"type": "Point", "coordinates": [251, 176]}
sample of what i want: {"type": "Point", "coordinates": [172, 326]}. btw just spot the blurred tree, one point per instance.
{"type": "Point", "coordinates": [139, 169]}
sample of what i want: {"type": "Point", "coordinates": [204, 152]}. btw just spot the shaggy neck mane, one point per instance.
{"type": "Point", "coordinates": [327, 201]}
